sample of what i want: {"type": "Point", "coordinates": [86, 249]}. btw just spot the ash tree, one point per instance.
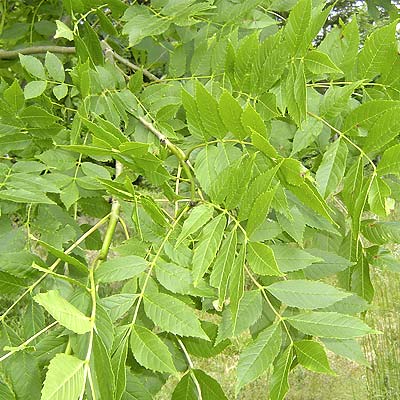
{"type": "Point", "coordinates": [177, 174]}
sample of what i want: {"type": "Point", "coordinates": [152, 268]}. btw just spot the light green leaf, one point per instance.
{"type": "Point", "coordinates": [348, 348]}
{"type": "Point", "coordinates": [150, 351]}
{"type": "Point", "coordinates": [291, 258]}
{"type": "Point", "coordinates": [81, 267]}
{"type": "Point", "coordinates": [329, 324]}
{"type": "Point", "coordinates": [172, 315]}
{"type": "Point", "coordinates": [209, 115]}
{"type": "Point", "coordinates": [379, 49]}
{"type": "Point", "coordinates": [297, 24]}
{"type": "Point", "coordinates": [332, 167]}
{"type": "Point", "coordinates": [60, 91]}
{"type": "Point", "coordinates": [390, 162]}
{"type": "Point", "coordinates": [320, 63]}
{"type": "Point", "coordinates": [207, 246]}
{"type": "Point", "coordinates": [258, 356]}
{"type": "Point", "coordinates": [198, 217]}
{"type": "Point", "coordinates": [194, 123]}
{"type": "Point", "coordinates": [279, 379]}
{"type": "Point", "coordinates": [14, 96]}
{"type": "Point", "coordinates": [260, 209]}
{"type": "Point", "coordinates": [331, 264]}
{"type": "Point", "coordinates": [120, 268]}
{"type": "Point", "coordinates": [10, 284]}
{"type": "Point", "coordinates": [210, 388]}
{"type": "Point", "coordinates": [64, 378]}
{"type": "Point", "coordinates": [252, 121]}
{"type": "Point", "coordinates": [262, 260]}
{"type": "Point", "coordinates": [220, 274]}
{"type": "Point", "coordinates": [118, 304]}
{"type": "Point", "coordinates": [63, 31]}
{"type": "Point", "coordinates": [231, 114]}
{"type": "Point", "coordinates": [249, 311]}
{"type": "Point", "coordinates": [186, 389]}
{"type": "Point", "coordinates": [34, 89]}
{"type": "Point", "coordinates": [33, 66]}
{"type": "Point", "coordinates": [382, 131]}
{"type": "Point", "coordinates": [118, 363]}
{"type": "Point", "coordinates": [54, 67]}
{"type": "Point", "coordinates": [175, 278]}
{"type": "Point", "coordinates": [312, 356]}
{"type": "Point", "coordinates": [64, 312]}
{"type": "Point", "coordinates": [24, 196]}
{"type": "Point", "coordinates": [236, 284]}
{"type": "Point", "coordinates": [306, 294]}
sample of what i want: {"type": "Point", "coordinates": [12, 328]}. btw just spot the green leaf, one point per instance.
{"type": "Point", "coordinates": [297, 24]}
{"type": "Point", "coordinates": [34, 89]}
{"type": "Point", "coordinates": [219, 277]}
{"type": "Point", "coordinates": [320, 63]}
{"type": "Point", "coordinates": [140, 23]}
{"type": "Point", "coordinates": [260, 209]}
{"type": "Point", "coordinates": [207, 246]}
{"type": "Point", "coordinates": [120, 268]}
{"type": "Point", "coordinates": [14, 96]}
{"type": "Point", "coordinates": [194, 123]}
{"type": "Point", "coordinates": [173, 277]}
{"type": "Point", "coordinates": [291, 258]}
{"type": "Point", "coordinates": [54, 67]}
{"type": "Point", "coordinates": [236, 284]}
{"type": "Point", "coordinates": [279, 379]}
{"type": "Point", "coordinates": [252, 121]}
{"type": "Point", "coordinates": [65, 257]}
{"type": "Point", "coordinates": [210, 388]}
{"type": "Point", "coordinates": [118, 363]}
{"type": "Point", "coordinates": [379, 49]}
{"type": "Point", "coordinates": [231, 115]}
{"type": "Point", "coordinates": [258, 356]}
{"type": "Point", "coordinates": [10, 284]}
{"type": "Point", "coordinates": [103, 373]}
{"type": "Point", "coordinates": [312, 356]}
{"type": "Point", "coordinates": [63, 31]}
{"type": "Point", "coordinates": [296, 93]}
{"type": "Point", "coordinates": [150, 351]}
{"type": "Point", "coordinates": [249, 311]}
{"type": "Point", "coordinates": [186, 389]}
{"type": "Point", "coordinates": [198, 217]}
{"type": "Point", "coordinates": [306, 294]}
{"type": "Point", "coordinates": [332, 167]}
{"type": "Point", "coordinates": [390, 162]}
{"type": "Point", "coordinates": [172, 315]}
{"type": "Point", "coordinates": [118, 304]}
{"type": "Point", "coordinates": [208, 110]}
{"type": "Point", "coordinates": [64, 378]}
{"type": "Point", "coordinates": [262, 260]}
{"type": "Point", "coordinates": [33, 66]}
{"type": "Point", "coordinates": [348, 348]}
{"type": "Point", "coordinates": [24, 196]}
{"type": "Point", "coordinates": [60, 91]}
{"type": "Point", "coordinates": [330, 325]}
{"type": "Point", "coordinates": [64, 312]}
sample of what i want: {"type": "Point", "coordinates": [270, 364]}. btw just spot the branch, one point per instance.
{"type": "Point", "coordinates": [107, 48]}
{"type": "Point", "coordinates": [180, 155]}
{"type": "Point", "coordinates": [9, 54]}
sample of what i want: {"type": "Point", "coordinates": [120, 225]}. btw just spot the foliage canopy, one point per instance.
{"type": "Point", "coordinates": [175, 174]}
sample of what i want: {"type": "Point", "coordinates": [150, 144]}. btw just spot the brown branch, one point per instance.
{"type": "Point", "coordinates": [107, 48]}
{"type": "Point", "coordinates": [9, 54]}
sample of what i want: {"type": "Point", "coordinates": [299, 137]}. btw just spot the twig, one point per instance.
{"type": "Point", "coordinates": [9, 54]}
{"type": "Point", "coordinates": [107, 48]}
{"type": "Point", "coordinates": [180, 155]}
